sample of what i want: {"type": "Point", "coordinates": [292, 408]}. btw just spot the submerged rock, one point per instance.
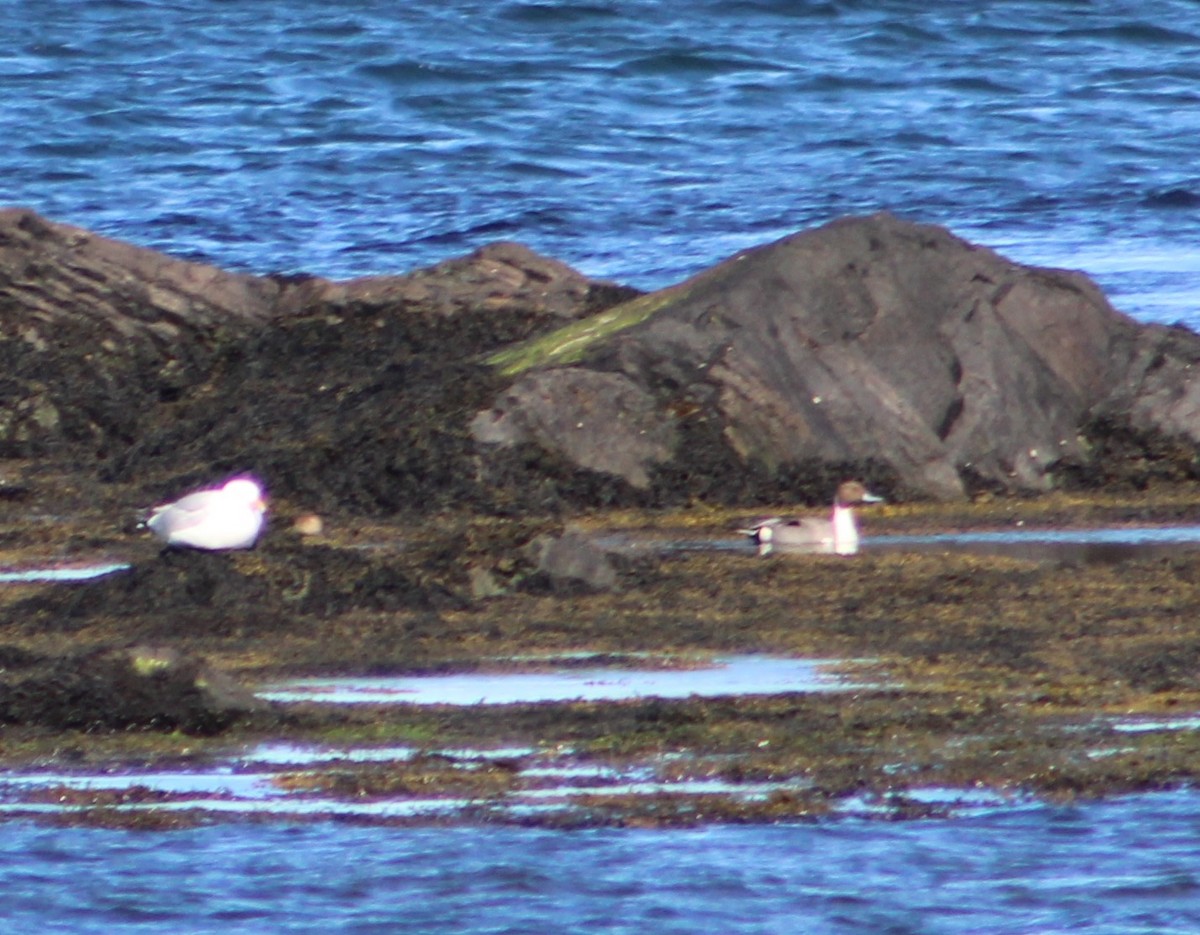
{"type": "Point", "coordinates": [571, 562]}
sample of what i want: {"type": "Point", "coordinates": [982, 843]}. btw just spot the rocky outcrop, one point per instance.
{"type": "Point", "coordinates": [505, 382]}
{"type": "Point", "coordinates": [873, 340]}
{"type": "Point", "coordinates": [129, 366]}
{"type": "Point", "coordinates": [154, 688]}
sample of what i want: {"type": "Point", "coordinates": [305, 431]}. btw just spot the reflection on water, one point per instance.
{"type": "Point", "coordinates": [1107, 544]}
{"type": "Point", "coordinates": [1144, 725]}
{"type": "Point", "coordinates": [82, 573]}
{"type": "Point", "coordinates": [1110, 544]}
{"type": "Point", "coordinates": [733, 675]}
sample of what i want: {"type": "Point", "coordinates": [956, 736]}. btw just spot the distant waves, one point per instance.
{"type": "Point", "coordinates": [640, 141]}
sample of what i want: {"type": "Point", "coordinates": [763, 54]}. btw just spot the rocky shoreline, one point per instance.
{"type": "Point", "coordinates": [477, 436]}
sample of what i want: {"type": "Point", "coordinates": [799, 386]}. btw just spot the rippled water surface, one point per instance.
{"type": "Point", "coordinates": [638, 140]}
{"type": "Point", "coordinates": [1118, 868]}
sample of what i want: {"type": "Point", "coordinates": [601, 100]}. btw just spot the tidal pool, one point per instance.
{"type": "Point", "coordinates": [286, 780]}
{"type": "Point", "coordinates": [1114, 543]}
{"type": "Point", "coordinates": [81, 573]}
{"type": "Point", "coordinates": [731, 675]}
{"type": "Point", "coordinates": [1102, 544]}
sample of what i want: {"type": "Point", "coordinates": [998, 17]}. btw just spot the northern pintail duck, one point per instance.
{"type": "Point", "coordinates": [228, 517]}
{"type": "Point", "coordinates": [838, 534]}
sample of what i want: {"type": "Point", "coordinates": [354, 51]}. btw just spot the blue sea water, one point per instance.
{"type": "Point", "coordinates": [1124, 867]}
{"type": "Point", "coordinates": [638, 140]}
{"type": "Point", "coordinates": [642, 141]}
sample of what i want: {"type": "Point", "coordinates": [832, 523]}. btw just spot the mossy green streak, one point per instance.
{"type": "Point", "coordinates": [568, 344]}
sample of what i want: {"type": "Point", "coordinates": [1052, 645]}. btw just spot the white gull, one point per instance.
{"type": "Point", "coordinates": [227, 517]}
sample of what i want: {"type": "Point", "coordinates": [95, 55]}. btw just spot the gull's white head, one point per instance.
{"type": "Point", "coordinates": [246, 491]}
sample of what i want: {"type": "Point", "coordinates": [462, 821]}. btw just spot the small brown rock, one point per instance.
{"type": "Point", "coordinates": [308, 524]}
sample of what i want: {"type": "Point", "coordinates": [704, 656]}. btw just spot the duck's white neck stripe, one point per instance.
{"type": "Point", "coordinates": [845, 531]}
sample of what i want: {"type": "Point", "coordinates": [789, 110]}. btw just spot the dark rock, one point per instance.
{"type": "Point", "coordinates": [13, 486]}
{"type": "Point", "coordinates": [602, 422]}
{"type": "Point", "coordinates": [139, 688]}
{"type": "Point", "coordinates": [17, 657]}
{"type": "Point", "coordinates": [570, 562]}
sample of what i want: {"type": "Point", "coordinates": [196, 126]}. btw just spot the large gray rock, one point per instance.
{"type": "Point", "coordinates": [878, 340]}
{"type": "Point", "coordinates": [600, 421]}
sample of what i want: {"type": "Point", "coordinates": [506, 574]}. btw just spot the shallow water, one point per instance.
{"type": "Point", "coordinates": [285, 783]}
{"type": "Point", "coordinates": [1111, 544]}
{"type": "Point", "coordinates": [1098, 544]}
{"type": "Point", "coordinates": [733, 675]}
{"type": "Point", "coordinates": [1126, 866]}
{"type": "Point", "coordinates": [81, 573]}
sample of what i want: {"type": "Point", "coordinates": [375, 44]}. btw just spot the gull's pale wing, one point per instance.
{"type": "Point", "coordinates": [184, 513]}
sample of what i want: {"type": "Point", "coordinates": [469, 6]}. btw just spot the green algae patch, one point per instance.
{"type": "Point", "coordinates": [146, 664]}
{"type": "Point", "coordinates": [569, 344]}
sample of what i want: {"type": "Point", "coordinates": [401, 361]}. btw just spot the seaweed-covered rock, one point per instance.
{"type": "Point", "coordinates": [140, 688]}
{"type": "Point", "coordinates": [191, 593]}
{"type": "Point", "coordinates": [134, 367]}
{"type": "Point", "coordinates": [506, 383]}
{"type": "Point", "coordinates": [285, 585]}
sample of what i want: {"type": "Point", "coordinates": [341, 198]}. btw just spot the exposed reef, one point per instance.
{"type": "Point", "coordinates": [483, 440]}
